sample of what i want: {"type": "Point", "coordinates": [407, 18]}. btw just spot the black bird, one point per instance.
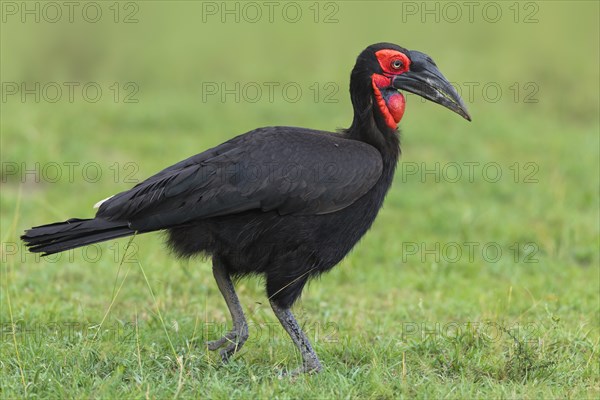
{"type": "Point", "coordinates": [286, 203]}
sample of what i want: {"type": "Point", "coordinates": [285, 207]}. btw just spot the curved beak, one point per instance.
{"type": "Point", "coordinates": [426, 80]}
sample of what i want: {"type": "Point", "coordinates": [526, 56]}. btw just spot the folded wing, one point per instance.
{"type": "Point", "coordinates": [290, 170]}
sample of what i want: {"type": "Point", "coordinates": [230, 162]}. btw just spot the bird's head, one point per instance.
{"type": "Point", "coordinates": [385, 69]}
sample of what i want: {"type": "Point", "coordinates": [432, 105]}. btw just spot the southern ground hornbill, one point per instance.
{"type": "Point", "coordinates": [286, 203]}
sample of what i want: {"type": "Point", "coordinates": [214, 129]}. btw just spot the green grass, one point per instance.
{"type": "Point", "coordinates": [387, 322]}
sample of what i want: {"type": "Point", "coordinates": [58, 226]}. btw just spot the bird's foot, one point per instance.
{"type": "Point", "coordinates": [310, 368]}
{"type": "Point", "coordinates": [232, 340]}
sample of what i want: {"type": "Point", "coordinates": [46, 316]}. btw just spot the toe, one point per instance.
{"type": "Point", "coordinates": [216, 344]}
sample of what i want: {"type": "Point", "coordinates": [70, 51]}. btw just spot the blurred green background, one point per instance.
{"type": "Point", "coordinates": [534, 72]}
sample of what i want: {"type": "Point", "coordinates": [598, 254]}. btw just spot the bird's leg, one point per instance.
{"type": "Point", "coordinates": [310, 361]}
{"type": "Point", "coordinates": [234, 339]}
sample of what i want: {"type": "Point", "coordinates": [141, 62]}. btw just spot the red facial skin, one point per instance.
{"type": "Point", "coordinates": [393, 109]}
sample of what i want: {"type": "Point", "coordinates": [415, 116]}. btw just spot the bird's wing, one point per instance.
{"type": "Point", "coordinates": [290, 170]}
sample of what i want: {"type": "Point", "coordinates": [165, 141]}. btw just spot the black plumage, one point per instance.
{"type": "Point", "coordinates": [287, 203]}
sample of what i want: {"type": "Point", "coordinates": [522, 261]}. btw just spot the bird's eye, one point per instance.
{"type": "Point", "coordinates": [396, 64]}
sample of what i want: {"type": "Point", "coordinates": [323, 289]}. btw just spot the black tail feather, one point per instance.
{"type": "Point", "coordinates": [61, 236]}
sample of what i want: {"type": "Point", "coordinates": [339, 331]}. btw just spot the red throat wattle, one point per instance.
{"type": "Point", "coordinates": [392, 109]}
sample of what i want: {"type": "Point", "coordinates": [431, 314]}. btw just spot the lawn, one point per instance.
{"type": "Point", "coordinates": [479, 279]}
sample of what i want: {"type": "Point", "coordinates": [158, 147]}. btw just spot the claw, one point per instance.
{"type": "Point", "coordinates": [234, 339]}
{"type": "Point", "coordinates": [217, 344]}
{"type": "Point", "coordinates": [313, 368]}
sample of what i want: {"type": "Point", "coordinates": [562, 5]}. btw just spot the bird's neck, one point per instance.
{"type": "Point", "coordinates": [387, 142]}
{"type": "Point", "coordinates": [368, 124]}
{"type": "Point", "coordinates": [370, 127]}
{"type": "Point", "coordinates": [366, 128]}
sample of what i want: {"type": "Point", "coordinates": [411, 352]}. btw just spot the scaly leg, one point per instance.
{"type": "Point", "coordinates": [238, 335]}
{"type": "Point", "coordinates": [310, 361]}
